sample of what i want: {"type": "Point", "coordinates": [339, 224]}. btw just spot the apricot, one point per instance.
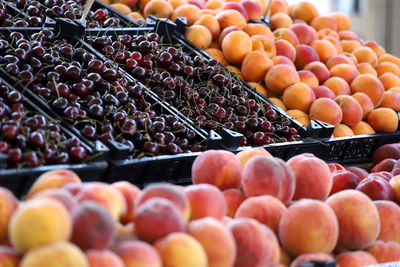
{"type": "Point", "coordinates": [9, 256]}
{"type": "Point", "coordinates": [384, 67]}
{"type": "Point", "coordinates": [264, 44]}
{"type": "Point", "coordinates": [383, 120]}
{"type": "Point", "coordinates": [389, 58]}
{"type": "Point", "coordinates": [350, 45]}
{"type": "Point", "coordinates": [319, 70]}
{"type": "Point", "coordinates": [298, 96]}
{"type": "Point", "coordinates": [326, 110]}
{"type": "Point", "coordinates": [299, 116]}
{"type": "Point", "coordinates": [124, 9]}
{"type": "Point", "coordinates": [378, 50]}
{"type": "Point", "coordinates": [327, 32]}
{"type": "Point", "coordinates": [304, 11]}
{"type": "Point", "coordinates": [278, 102]}
{"type": "Point", "coordinates": [214, 4]}
{"type": "Point", "coordinates": [389, 80]}
{"type": "Point", "coordinates": [278, 60]}
{"type": "Point", "coordinates": [355, 210]}
{"type": "Point", "coordinates": [230, 17]}
{"type": "Point", "coordinates": [362, 128]}
{"type": "Point", "coordinates": [336, 43]}
{"type": "Point", "coordinates": [198, 35]}
{"type": "Point", "coordinates": [385, 251]}
{"type": "Point", "coordinates": [304, 33]}
{"type": "Point", "coordinates": [342, 130]}
{"type": "Point", "coordinates": [286, 34]}
{"type": "Point", "coordinates": [395, 89]}
{"type": "Point", "coordinates": [279, 77]}
{"type": "Point", "coordinates": [258, 29]}
{"type": "Point", "coordinates": [267, 210]}
{"type": "Point", "coordinates": [103, 258]}
{"type": "Point", "coordinates": [137, 253]}
{"type": "Point", "coordinates": [236, 45]}
{"type": "Point", "coordinates": [8, 204]}
{"type": "Point", "coordinates": [181, 250]}
{"type": "Point", "coordinates": [350, 56]}
{"type": "Point", "coordinates": [211, 23]}
{"type": "Point", "coordinates": [351, 109]}
{"type": "Point", "coordinates": [324, 49]}
{"type": "Point", "coordinates": [225, 32]}
{"type": "Point", "coordinates": [336, 60]}
{"type": "Point", "coordinates": [136, 16]}
{"type": "Point", "coordinates": [218, 55]}
{"type": "Point", "coordinates": [249, 153]}
{"type": "Point", "coordinates": [235, 70]}
{"type": "Point", "coordinates": [158, 8]}
{"type": "Point", "coordinates": [369, 85]}
{"type": "Point", "coordinates": [216, 239]}
{"type": "Point", "coordinates": [130, 193]}
{"type": "Point", "coordinates": [391, 100]}
{"type": "Point", "coordinates": [278, 7]}
{"type": "Point", "coordinates": [366, 68]}
{"type": "Point", "coordinates": [345, 71]}
{"type": "Point", "coordinates": [280, 20]}
{"type": "Point", "coordinates": [349, 35]}
{"type": "Point", "coordinates": [323, 91]}
{"type": "Point", "coordinates": [309, 226]}
{"type": "Point", "coordinates": [284, 48]}
{"type": "Point", "coordinates": [365, 103]}
{"type": "Point", "coordinates": [355, 259]}
{"type": "Point", "coordinates": [343, 21]}
{"type": "Point", "coordinates": [304, 55]}
{"type": "Point", "coordinates": [259, 88]}
{"type": "Point", "coordinates": [191, 12]}
{"type": "Point", "coordinates": [308, 78]}
{"type": "Point", "coordinates": [255, 65]}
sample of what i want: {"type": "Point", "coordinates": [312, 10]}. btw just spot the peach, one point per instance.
{"type": "Point", "coordinates": [156, 218]}
{"type": "Point", "coordinates": [256, 244]}
{"type": "Point", "coordinates": [9, 257]}
{"type": "Point", "coordinates": [284, 48]}
{"type": "Point", "coordinates": [333, 167]}
{"type": "Point", "coordinates": [323, 91]}
{"type": "Point", "coordinates": [167, 191]}
{"type": "Point", "coordinates": [345, 71]}
{"type": "Point", "coordinates": [263, 44]}
{"type": "Point", "coordinates": [336, 60]}
{"type": "Point", "coordinates": [206, 200]}
{"type": "Point", "coordinates": [362, 128]}
{"type": "Point", "coordinates": [342, 130]}
{"type": "Point", "coordinates": [211, 23]}
{"type": "Point", "coordinates": [391, 100]}
{"type": "Point", "coordinates": [379, 50]}
{"type": "Point", "coordinates": [137, 253]}
{"type": "Point", "coordinates": [366, 68]}
{"type": "Point", "coordinates": [349, 35]}
{"type": "Point", "coordinates": [308, 78]}
{"type": "Point", "coordinates": [285, 258]}
{"type": "Point", "coordinates": [309, 226]}
{"type": "Point", "coordinates": [343, 21]}
{"type": "Point", "coordinates": [304, 11]}
{"type": "Point", "coordinates": [280, 20]}
{"type": "Point", "coordinates": [309, 257]}
{"type": "Point", "coordinates": [60, 194]}
{"type": "Point", "coordinates": [304, 55]}
{"type": "Point", "coordinates": [130, 193]}
{"type": "Point", "coordinates": [298, 96]}
{"type": "Point", "coordinates": [395, 184]}
{"type": "Point", "coordinates": [236, 45]}
{"type": "Point", "coordinates": [350, 45]}
{"type": "Point", "coordinates": [384, 67]}
{"type": "Point", "coordinates": [326, 110]}
{"type": "Point", "coordinates": [103, 258]}
{"type": "Point", "coordinates": [324, 49]}
{"type": "Point", "coordinates": [58, 253]}
{"type": "Point", "coordinates": [352, 208]}
{"type": "Point", "coordinates": [267, 210]}
{"type": "Point", "coordinates": [355, 259]}
{"type": "Point", "coordinates": [233, 197]}
{"type": "Point", "coordinates": [383, 120]}
{"type": "Point", "coordinates": [191, 12]}
{"type": "Point", "coordinates": [249, 153]}
{"type": "Point", "coordinates": [386, 151]}
{"type": "Point", "coordinates": [389, 80]}
{"type": "Point", "coordinates": [281, 76]}
{"type": "Point", "coordinates": [8, 204]}
{"type": "Point", "coordinates": [389, 58]}
{"type": "Point", "coordinates": [322, 22]}
{"type": "Point", "coordinates": [255, 65]}
{"type": "Point", "coordinates": [258, 29]}
{"type": "Point", "coordinates": [304, 33]}
{"type": "Point", "coordinates": [389, 214]}
{"type": "Point", "coordinates": [53, 179]}
{"type": "Point", "coordinates": [230, 17]}
{"type": "Point", "coordinates": [216, 239]}
{"type": "Point", "coordinates": [282, 60]}
{"type": "Point", "coordinates": [198, 35]}
{"type": "Point", "coordinates": [105, 195]}
{"type": "Point", "coordinates": [365, 103]}
{"type": "Point", "coordinates": [343, 180]}
{"type": "Point", "coordinates": [39, 222]}
{"type": "Point", "coordinates": [313, 177]}
{"type": "Point", "coordinates": [158, 8]}
{"type": "Point", "coordinates": [369, 85]}
{"type": "Point", "coordinates": [351, 109]}
{"type": "Point", "coordinates": [336, 43]}
{"type": "Point", "coordinates": [286, 34]}
{"type": "Point", "coordinates": [181, 250]}
{"type": "Point", "coordinates": [299, 116]}
{"type": "Point", "coordinates": [385, 251]}
{"type": "Point", "coordinates": [278, 102]}
{"type": "Point", "coordinates": [361, 173]}
{"type": "Point", "coordinates": [319, 70]}
{"type": "Point", "coordinates": [217, 167]}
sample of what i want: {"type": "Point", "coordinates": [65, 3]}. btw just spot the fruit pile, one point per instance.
{"type": "Point", "coordinates": [202, 90]}
{"type": "Point", "coordinates": [19, 20]}
{"type": "Point", "coordinates": [263, 212]}
{"type": "Point", "coordinates": [38, 11]}
{"type": "Point", "coordinates": [310, 65]}
{"type": "Point", "coordinates": [94, 96]}
{"type": "Point", "coordinates": [29, 139]}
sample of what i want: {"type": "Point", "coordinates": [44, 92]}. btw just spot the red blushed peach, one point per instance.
{"type": "Point", "coordinates": [323, 91]}
{"type": "Point", "coordinates": [157, 218]}
{"type": "Point", "coordinates": [304, 33]}
{"type": "Point", "coordinates": [59, 194]}
{"type": "Point", "coordinates": [307, 168]}
{"type": "Point", "coordinates": [256, 244]}
{"type": "Point", "coordinates": [361, 173]}
{"type": "Point", "coordinates": [167, 191]}
{"type": "Point", "coordinates": [385, 251]}
{"type": "Point", "coordinates": [365, 103]}
{"type": "Point", "coordinates": [248, 153]}
{"type": "Point", "coordinates": [280, 77]}
{"type": "Point", "coordinates": [376, 187]}
{"type": "Point", "coordinates": [385, 165]}
{"type": "Point", "coordinates": [309, 226]}
{"type": "Point", "coordinates": [343, 180]}
{"type": "Point", "coordinates": [130, 193]}
{"type": "Point", "coordinates": [309, 257]}
{"type": "Point", "coordinates": [324, 49]}
{"type": "Point", "coordinates": [345, 71]}
{"type": "Point", "coordinates": [9, 256]}
{"type": "Point", "coordinates": [386, 151]}
{"type": "Point", "coordinates": [284, 48]}
{"type": "Point", "coordinates": [103, 258]}
{"type": "Point", "coordinates": [379, 50]}
{"type": "Point", "coordinates": [216, 239]}
{"type": "Point", "coordinates": [352, 111]}
{"type": "Point", "coordinates": [206, 200]}
{"type": "Point", "coordinates": [326, 110]}
{"type": "Point", "coordinates": [217, 167]}
{"type": "Point", "coordinates": [391, 100]}
{"type": "Point", "coordinates": [305, 54]}
{"type": "Point", "coordinates": [369, 85]}
{"type": "Point", "coordinates": [348, 35]}
{"type": "Point", "coordinates": [389, 213]}
{"type": "Point", "coordinates": [308, 78]}
{"type": "Point", "coordinates": [333, 167]}
{"type": "Point", "coordinates": [383, 120]}
{"type": "Point", "coordinates": [9, 204]}
{"type": "Point", "coordinates": [233, 198]}
{"type": "Point", "coordinates": [137, 253]}
{"type": "Point", "coordinates": [322, 22]}
{"type": "Point", "coordinates": [267, 210]}
{"type": "Point", "coordinates": [358, 218]}
{"type": "Point", "coordinates": [355, 259]}
{"type": "Point", "coordinates": [336, 60]}
{"type": "Point", "coordinates": [319, 70]}
{"type": "Point", "coordinates": [298, 96]}
{"type": "Point", "coordinates": [395, 184]}
{"type": "Point", "coordinates": [286, 34]}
